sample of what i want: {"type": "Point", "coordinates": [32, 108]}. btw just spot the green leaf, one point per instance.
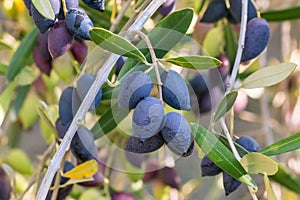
{"type": "Point", "coordinates": [164, 36]}
{"type": "Point", "coordinates": [115, 44]}
{"type": "Point", "coordinates": [19, 100]}
{"type": "Point", "coordinates": [19, 160]}
{"type": "Point", "coordinates": [23, 52]}
{"type": "Point", "coordinates": [225, 105]}
{"type": "Point", "coordinates": [269, 76]}
{"type": "Point", "coordinates": [220, 155]}
{"type": "Point", "coordinates": [230, 42]}
{"type": "Point", "coordinates": [109, 120]}
{"type": "Point", "coordinates": [3, 69]}
{"type": "Point", "coordinates": [5, 100]}
{"type": "Point", "coordinates": [282, 15]}
{"type": "Point", "coordinates": [195, 62]}
{"type": "Point", "coordinates": [28, 114]}
{"type": "Point", "coordinates": [213, 41]}
{"type": "Point", "coordinates": [283, 177]}
{"type": "Point", "coordinates": [44, 7]}
{"type": "Point", "coordinates": [257, 163]}
{"type": "Point", "coordinates": [285, 145]}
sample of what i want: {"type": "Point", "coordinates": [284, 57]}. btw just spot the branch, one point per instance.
{"type": "Point", "coordinates": [101, 78]}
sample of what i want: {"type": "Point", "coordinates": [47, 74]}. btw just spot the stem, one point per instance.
{"type": "Point", "coordinates": [101, 78]}
{"type": "Point", "coordinates": [229, 139]}
{"type": "Point", "coordinates": [153, 58]}
{"type": "Point", "coordinates": [117, 21]}
{"type": "Point", "coordinates": [241, 45]}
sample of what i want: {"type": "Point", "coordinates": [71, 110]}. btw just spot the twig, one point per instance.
{"type": "Point", "coordinates": [117, 21]}
{"type": "Point", "coordinates": [101, 78]}
{"type": "Point", "coordinates": [153, 58]}
{"type": "Point", "coordinates": [241, 44]}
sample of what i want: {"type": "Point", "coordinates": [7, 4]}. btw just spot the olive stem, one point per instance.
{"type": "Point", "coordinates": [153, 58]}
{"type": "Point", "coordinates": [102, 76]}
{"type": "Point", "coordinates": [241, 44]}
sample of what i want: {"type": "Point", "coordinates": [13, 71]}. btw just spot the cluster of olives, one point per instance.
{"type": "Point", "coordinates": [258, 30]}
{"type": "Point", "coordinates": [230, 184]}
{"type": "Point", "coordinates": [152, 127]}
{"type": "Point", "coordinates": [82, 145]}
{"type": "Point", "coordinates": [66, 31]}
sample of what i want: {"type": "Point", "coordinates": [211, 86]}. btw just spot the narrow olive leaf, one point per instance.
{"type": "Point", "coordinates": [109, 120]}
{"type": "Point", "coordinates": [195, 62]}
{"type": "Point", "coordinates": [285, 145]}
{"type": "Point", "coordinates": [6, 99]}
{"type": "Point", "coordinates": [44, 7]}
{"type": "Point", "coordinates": [282, 15]}
{"type": "Point", "coordinates": [269, 189]}
{"type": "Point", "coordinates": [19, 161]}
{"type": "Point", "coordinates": [18, 102]}
{"type": "Point", "coordinates": [225, 105]}
{"type": "Point", "coordinates": [257, 163]}
{"type": "Point", "coordinates": [268, 76]}
{"type": "Point", "coordinates": [220, 155]}
{"type": "Point", "coordinates": [230, 42]}
{"type": "Point", "coordinates": [44, 116]}
{"type": "Point", "coordinates": [164, 36]}
{"type": "Point", "coordinates": [18, 61]}
{"type": "Point", "coordinates": [115, 44]}
{"type": "Point", "coordinates": [286, 179]}
{"type": "Point", "coordinates": [84, 170]}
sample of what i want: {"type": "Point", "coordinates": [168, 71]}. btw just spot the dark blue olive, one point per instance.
{"type": "Point", "coordinates": [96, 4]}
{"type": "Point", "coordinates": [235, 11]}
{"type": "Point", "coordinates": [256, 39]}
{"type": "Point", "coordinates": [148, 117]}
{"type": "Point", "coordinates": [177, 134]}
{"type": "Point", "coordinates": [215, 11]}
{"type": "Point", "coordinates": [230, 184]}
{"type": "Point", "coordinates": [83, 85]}
{"type": "Point", "coordinates": [83, 146]}
{"type": "Point", "coordinates": [135, 87]}
{"type": "Point", "coordinates": [79, 23]}
{"type": "Point", "coordinates": [248, 143]}
{"type": "Point", "coordinates": [135, 145]}
{"type": "Point", "coordinates": [41, 22]}
{"type": "Point", "coordinates": [65, 109]}
{"type": "Point", "coordinates": [174, 90]}
{"type": "Point", "coordinates": [119, 65]}
{"type": "Point", "coordinates": [209, 168]}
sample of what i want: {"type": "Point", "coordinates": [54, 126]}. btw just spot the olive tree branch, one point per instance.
{"type": "Point", "coordinates": [230, 85]}
{"type": "Point", "coordinates": [101, 78]}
